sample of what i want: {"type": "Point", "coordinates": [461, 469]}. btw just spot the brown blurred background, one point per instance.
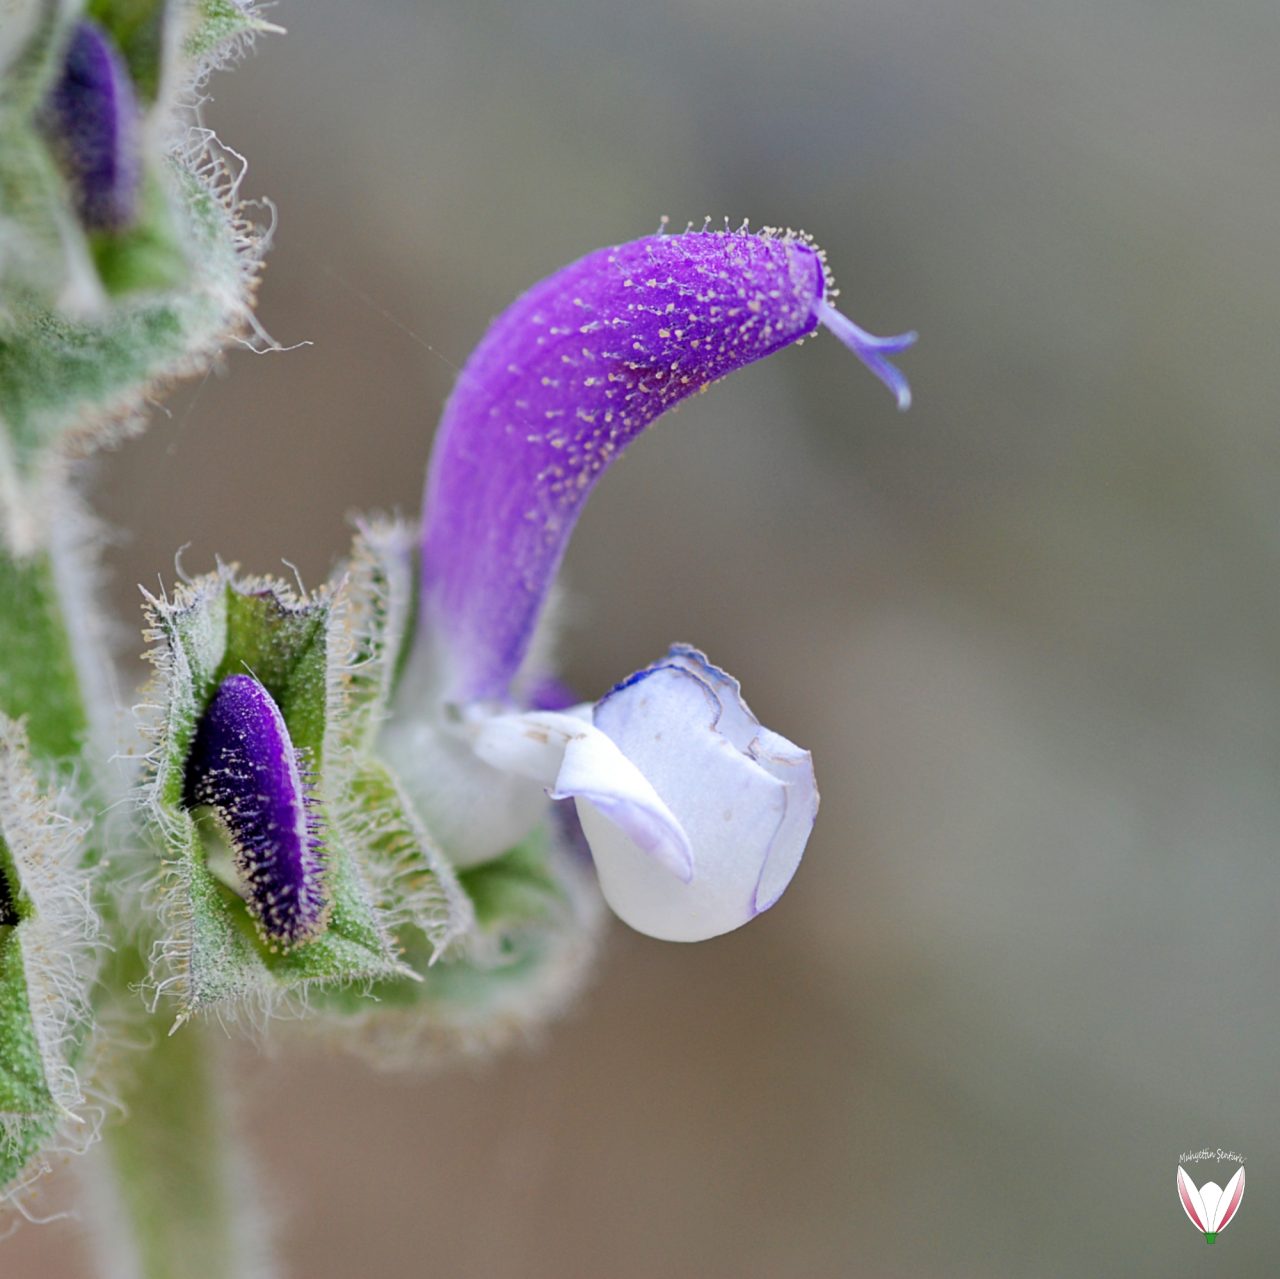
{"type": "Point", "coordinates": [1031, 630]}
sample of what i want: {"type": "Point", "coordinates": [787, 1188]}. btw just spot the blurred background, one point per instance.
{"type": "Point", "coordinates": [1030, 630]}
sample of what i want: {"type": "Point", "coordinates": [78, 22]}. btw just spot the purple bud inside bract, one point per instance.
{"type": "Point", "coordinates": [244, 766]}
{"type": "Point", "coordinates": [562, 382]}
{"type": "Point", "coordinates": [92, 117]}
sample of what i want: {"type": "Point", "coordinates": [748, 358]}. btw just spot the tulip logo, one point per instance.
{"type": "Point", "coordinates": [1210, 1208]}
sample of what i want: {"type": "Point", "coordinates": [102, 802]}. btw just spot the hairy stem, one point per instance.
{"type": "Point", "coordinates": [55, 665]}
{"type": "Point", "coordinates": [169, 1199]}
{"type": "Point", "coordinates": [38, 677]}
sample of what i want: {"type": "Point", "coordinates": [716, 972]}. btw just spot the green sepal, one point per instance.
{"type": "Point", "coordinates": [505, 946]}
{"type": "Point", "coordinates": [78, 380]}
{"type": "Point", "coordinates": [378, 595]}
{"type": "Point", "coordinates": [146, 257]}
{"type": "Point", "coordinates": [24, 1093]}
{"type": "Point", "coordinates": [538, 918]}
{"type": "Point", "coordinates": [219, 27]}
{"type": "Point", "coordinates": [497, 949]}
{"type": "Point", "coordinates": [414, 885]}
{"type": "Point", "coordinates": [45, 260]}
{"type": "Point", "coordinates": [48, 959]}
{"type": "Point", "coordinates": [30, 1116]}
{"type": "Point", "coordinates": [22, 1149]}
{"type": "Point", "coordinates": [44, 254]}
{"type": "Point", "coordinates": [28, 55]}
{"type": "Point", "coordinates": [514, 890]}
{"type": "Point", "coordinates": [216, 955]}
{"type": "Point", "coordinates": [207, 33]}
{"type": "Point", "coordinates": [374, 602]}
{"type": "Point", "coordinates": [298, 648]}
{"type": "Point", "coordinates": [94, 326]}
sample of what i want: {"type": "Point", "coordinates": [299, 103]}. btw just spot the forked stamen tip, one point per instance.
{"type": "Point", "coordinates": [871, 350]}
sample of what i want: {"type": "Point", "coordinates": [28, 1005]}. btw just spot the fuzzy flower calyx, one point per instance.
{"type": "Point", "coordinates": [276, 882]}
{"type": "Point", "coordinates": [128, 257]}
{"type": "Point", "coordinates": [297, 868]}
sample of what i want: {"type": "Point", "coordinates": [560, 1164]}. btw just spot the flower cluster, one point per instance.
{"type": "Point", "coordinates": [390, 733]}
{"type": "Point", "coordinates": [375, 805]}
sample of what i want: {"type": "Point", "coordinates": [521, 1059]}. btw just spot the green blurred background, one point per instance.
{"type": "Point", "coordinates": [1031, 630]}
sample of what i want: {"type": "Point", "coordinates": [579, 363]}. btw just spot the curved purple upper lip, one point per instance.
{"type": "Point", "coordinates": [559, 386]}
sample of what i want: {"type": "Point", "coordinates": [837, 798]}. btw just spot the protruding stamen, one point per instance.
{"type": "Point", "coordinates": [871, 350]}
{"type": "Point", "coordinates": [244, 766]}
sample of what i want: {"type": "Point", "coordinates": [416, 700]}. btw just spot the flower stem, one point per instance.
{"type": "Point", "coordinates": [168, 1200]}
{"type": "Point", "coordinates": [38, 677]}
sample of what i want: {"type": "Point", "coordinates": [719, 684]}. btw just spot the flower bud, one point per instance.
{"type": "Point", "coordinates": [127, 258]}
{"type": "Point", "coordinates": [243, 765]}
{"type": "Point", "coordinates": [95, 128]}
{"type": "Point", "coordinates": [284, 912]}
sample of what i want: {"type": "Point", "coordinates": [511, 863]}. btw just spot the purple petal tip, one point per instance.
{"type": "Point", "coordinates": [243, 765]}
{"type": "Point", "coordinates": [92, 116]}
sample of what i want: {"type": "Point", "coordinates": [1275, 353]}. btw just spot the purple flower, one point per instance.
{"type": "Point", "coordinates": [562, 382]}
{"type": "Point", "coordinates": [696, 815]}
{"type": "Point", "coordinates": [244, 766]}
{"type": "Point", "coordinates": [92, 116]}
